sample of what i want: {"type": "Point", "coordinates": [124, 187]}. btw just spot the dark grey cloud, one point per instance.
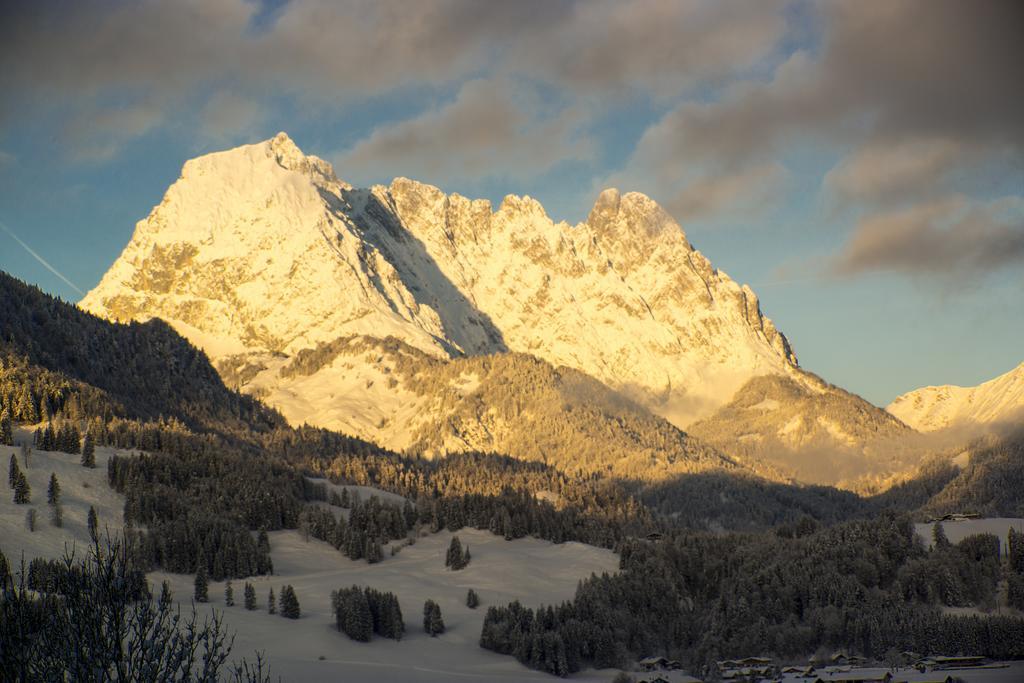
{"type": "Point", "coordinates": [661, 46]}
{"type": "Point", "coordinates": [168, 56]}
{"type": "Point", "coordinates": [929, 69]}
{"type": "Point", "coordinates": [753, 189]}
{"type": "Point", "coordinates": [917, 94]}
{"type": "Point", "coordinates": [887, 174]}
{"type": "Point", "coordinates": [491, 128]}
{"type": "Point", "coordinates": [952, 236]}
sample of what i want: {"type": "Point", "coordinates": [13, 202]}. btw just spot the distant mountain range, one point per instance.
{"type": "Point", "coordinates": [998, 401]}
{"type": "Point", "coordinates": [432, 323]}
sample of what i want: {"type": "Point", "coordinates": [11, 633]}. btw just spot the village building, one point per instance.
{"type": "Point", "coordinates": [659, 664]}
{"type": "Point", "coordinates": [857, 676]}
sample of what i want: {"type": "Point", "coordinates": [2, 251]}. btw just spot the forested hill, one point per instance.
{"type": "Point", "coordinates": [51, 350]}
{"type": "Point", "coordinates": [990, 482]}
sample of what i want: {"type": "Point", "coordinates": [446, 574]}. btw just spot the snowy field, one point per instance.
{"type": "Point", "coordinates": [311, 649]}
{"type": "Point", "coordinates": [80, 488]}
{"type": "Point", "coordinates": [956, 531]}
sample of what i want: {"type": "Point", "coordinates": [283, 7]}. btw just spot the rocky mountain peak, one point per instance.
{"type": "Point", "coordinates": [633, 215]}
{"type": "Point", "coordinates": [260, 252]}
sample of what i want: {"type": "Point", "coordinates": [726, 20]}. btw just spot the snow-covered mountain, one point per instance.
{"type": "Point", "coordinates": [260, 252]}
{"type": "Point", "coordinates": [932, 408]}
{"type": "Point", "coordinates": [810, 430]}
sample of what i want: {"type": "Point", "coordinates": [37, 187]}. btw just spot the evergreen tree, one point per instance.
{"type": "Point", "coordinates": [374, 551]}
{"type": "Point", "coordinates": [48, 440]}
{"type": "Point", "coordinates": [74, 439]}
{"type": "Point", "coordinates": [289, 603]}
{"type": "Point", "coordinates": [13, 471]}
{"type": "Point", "coordinates": [30, 519]}
{"type": "Point", "coordinates": [456, 558]}
{"type": "Point", "coordinates": [250, 596]}
{"type": "Point", "coordinates": [939, 539]}
{"type": "Point", "coordinates": [165, 595]}
{"type": "Point", "coordinates": [6, 430]}
{"type": "Point", "coordinates": [397, 622]}
{"type": "Point", "coordinates": [202, 583]}
{"type": "Point", "coordinates": [472, 599]}
{"type": "Point", "coordinates": [1015, 550]}
{"type": "Point", "coordinates": [22, 491]}
{"type": "Point", "coordinates": [88, 451]}
{"type": "Point", "coordinates": [432, 622]}
{"type": "Point", "coordinates": [93, 524]}
{"type": "Point", "coordinates": [352, 613]}
{"type": "Point", "coordinates": [27, 409]}
{"type": "Point", "coordinates": [6, 582]}
{"type": "Point", "coordinates": [1015, 591]}
{"type": "Point", "coordinates": [264, 565]}
{"type": "Point", "coordinates": [53, 491]}
{"type": "Point", "coordinates": [229, 594]}
{"type": "Point", "coordinates": [57, 515]}
{"type": "Point", "coordinates": [271, 603]}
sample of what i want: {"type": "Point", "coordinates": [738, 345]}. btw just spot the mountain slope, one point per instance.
{"type": "Point", "coordinates": [989, 479]}
{"type": "Point", "coordinates": [140, 370]}
{"type": "Point", "coordinates": [261, 252]}
{"type": "Point", "coordinates": [811, 430]}
{"type": "Point", "coordinates": [393, 394]}
{"type": "Point", "coordinates": [932, 408]}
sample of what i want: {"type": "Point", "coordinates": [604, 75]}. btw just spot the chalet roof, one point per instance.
{"type": "Point", "coordinates": [745, 661]}
{"type": "Point", "coordinates": [915, 677]}
{"type": "Point", "coordinates": [858, 676]}
{"type": "Point", "coordinates": [958, 659]}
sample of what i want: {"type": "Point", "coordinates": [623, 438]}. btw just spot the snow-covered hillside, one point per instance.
{"type": "Point", "coordinates": [81, 487]}
{"type": "Point", "coordinates": [932, 408]}
{"type": "Point", "coordinates": [311, 648]}
{"type": "Point", "coordinates": [260, 252]}
{"type": "Point", "coordinates": [511, 403]}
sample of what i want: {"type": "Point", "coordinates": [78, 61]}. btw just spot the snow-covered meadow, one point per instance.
{"type": "Point", "coordinates": [310, 648]}
{"type": "Point", "coordinates": [81, 487]}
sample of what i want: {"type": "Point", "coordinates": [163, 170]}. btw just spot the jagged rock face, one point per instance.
{"type": "Point", "coordinates": [260, 252]}
{"type": "Point", "coordinates": [996, 402]}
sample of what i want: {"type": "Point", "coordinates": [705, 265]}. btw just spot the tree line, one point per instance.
{"type": "Point", "coordinates": [857, 586]}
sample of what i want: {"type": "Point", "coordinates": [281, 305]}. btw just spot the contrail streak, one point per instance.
{"type": "Point", "coordinates": [41, 260]}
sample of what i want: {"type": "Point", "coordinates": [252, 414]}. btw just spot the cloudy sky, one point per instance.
{"type": "Point", "coordinates": [860, 164]}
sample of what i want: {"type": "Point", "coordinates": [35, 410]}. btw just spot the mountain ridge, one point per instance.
{"type": "Point", "coordinates": [948, 406]}
{"type": "Point", "coordinates": [245, 230]}
{"type": "Point", "coordinates": [261, 256]}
